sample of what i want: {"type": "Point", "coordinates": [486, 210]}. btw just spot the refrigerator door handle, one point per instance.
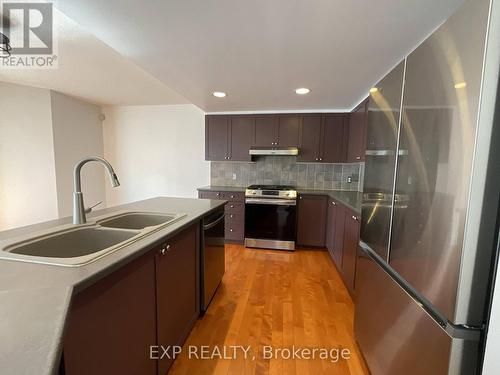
{"type": "Point", "coordinates": [456, 331]}
{"type": "Point", "coordinates": [463, 332]}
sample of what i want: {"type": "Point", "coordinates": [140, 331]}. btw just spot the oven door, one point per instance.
{"type": "Point", "coordinates": [270, 223]}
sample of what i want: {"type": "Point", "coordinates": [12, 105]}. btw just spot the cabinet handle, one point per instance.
{"type": "Point", "coordinates": [316, 159]}
{"type": "Point", "coordinates": [358, 157]}
{"type": "Point", "coordinates": [218, 194]}
{"type": "Point", "coordinates": [232, 206]}
{"type": "Point", "coordinates": [355, 217]}
{"type": "Point", "coordinates": [334, 203]}
{"type": "Point", "coordinates": [164, 250]}
{"type": "Point", "coordinates": [230, 230]}
{"type": "Point", "coordinates": [232, 196]}
{"type": "Point", "coordinates": [231, 215]}
{"type": "Point", "coordinates": [320, 159]}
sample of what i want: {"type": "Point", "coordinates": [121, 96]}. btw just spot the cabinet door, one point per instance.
{"type": "Point", "coordinates": [351, 239]}
{"type": "Point", "coordinates": [357, 133]}
{"type": "Point", "coordinates": [338, 240]}
{"type": "Point", "coordinates": [112, 324]}
{"type": "Point", "coordinates": [241, 135]}
{"type": "Point", "coordinates": [311, 220]}
{"type": "Point", "coordinates": [334, 138]}
{"type": "Point", "coordinates": [330, 226]}
{"type": "Point", "coordinates": [310, 138]}
{"type": "Point", "coordinates": [216, 137]}
{"type": "Point", "coordinates": [266, 128]}
{"type": "Point", "coordinates": [289, 131]}
{"type": "Point", "coordinates": [177, 291]}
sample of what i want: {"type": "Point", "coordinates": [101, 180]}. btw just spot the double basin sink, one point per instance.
{"type": "Point", "coordinates": [77, 245]}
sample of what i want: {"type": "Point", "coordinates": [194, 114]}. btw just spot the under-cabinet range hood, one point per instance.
{"type": "Point", "coordinates": [261, 151]}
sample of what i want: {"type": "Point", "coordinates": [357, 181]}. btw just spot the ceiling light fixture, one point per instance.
{"type": "Point", "coordinates": [219, 94]}
{"type": "Point", "coordinates": [373, 90]}
{"type": "Point", "coordinates": [460, 85]}
{"type": "Point", "coordinates": [302, 91]}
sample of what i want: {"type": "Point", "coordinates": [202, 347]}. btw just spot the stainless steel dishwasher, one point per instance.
{"type": "Point", "coordinates": [212, 257]}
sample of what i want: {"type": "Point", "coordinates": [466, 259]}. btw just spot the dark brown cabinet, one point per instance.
{"type": "Point", "coordinates": [311, 223]}
{"type": "Point", "coordinates": [323, 138]}
{"type": "Point", "coordinates": [335, 231]}
{"type": "Point", "coordinates": [289, 130]}
{"type": "Point", "coordinates": [234, 211]}
{"type": "Point", "coordinates": [112, 323]}
{"type": "Point", "coordinates": [240, 138]}
{"type": "Point", "coordinates": [334, 138]}
{"type": "Point", "coordinates": [216, 137]}
{"type": "Point", "coordinates": [228, 137]}
{"type": "Point", "coordinates": [266, 131]}
{"type": "Point", "coordinates": [176, 270]}
{"type": "Point", "coordinates": [311, 138]}
{"type": "Point", "coordinates": [351, 239]}
{"type": "Point", "coordinates": [357, 133]}
{"type": "Point", "coordinates": [277, 130]}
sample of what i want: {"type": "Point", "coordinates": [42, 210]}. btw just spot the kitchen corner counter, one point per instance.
{"type": "Point", "coordinates": [35, 298]}
{"type": "Point", "coordinates": [351, 199]}
{"type": "Point", "coordinates": [222, 188]}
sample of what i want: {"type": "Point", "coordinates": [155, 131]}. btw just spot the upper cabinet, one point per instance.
{"type": "Point", "coordinates": [216, 137]}
{"type": "Point", "coordinates": [277, 130]}
{"type": "Point", "coordinates": [323, 138]}
{"type": "Point", "coordinates": [356, 140]}
{"type": "Point", "coordinates": [266, 131]}
{"type": "Point", "coordinates": [240, 138]}
{"type": "Point", "coordinates": [289, 128]}
{"type": "Point", "coordinates": [320, 137]}
{"type": "Point", "coordinates": [228, 137]}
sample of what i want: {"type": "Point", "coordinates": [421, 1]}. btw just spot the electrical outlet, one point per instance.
{"type": "Point", "coordinates": [234, 176]}
{"type": "Point", "coordinates": [349, 179]}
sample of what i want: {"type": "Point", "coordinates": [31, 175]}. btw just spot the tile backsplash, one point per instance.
{"type": "Point", "coordinates": [285, 170]}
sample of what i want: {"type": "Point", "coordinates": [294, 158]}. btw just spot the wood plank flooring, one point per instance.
{"type": "Point", "coordinates": [277, 299]}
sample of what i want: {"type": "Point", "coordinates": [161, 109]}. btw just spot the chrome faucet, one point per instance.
{"type": "Point", "coordinates": [79, 211]}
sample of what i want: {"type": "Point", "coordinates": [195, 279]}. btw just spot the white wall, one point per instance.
{"type": "Point", "coordinates": [155, 150]}
{"type": "Point", "coordinates": [77, 134]}
{"type": "Point", "coordinates": [27, 168]}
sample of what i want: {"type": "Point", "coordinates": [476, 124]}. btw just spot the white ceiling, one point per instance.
{"type": "Point", "coordinates": [259, 51]}
{"type": "Point", "coordinates": [91, 70]}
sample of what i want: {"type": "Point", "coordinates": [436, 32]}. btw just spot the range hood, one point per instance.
{"type": "Point", "coordinates": [291, 151]}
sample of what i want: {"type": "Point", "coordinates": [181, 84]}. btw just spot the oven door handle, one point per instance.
{"type": "Point", "coordinates": [274, 202]}
{"type": "Point", "coordinates": [213, 223]}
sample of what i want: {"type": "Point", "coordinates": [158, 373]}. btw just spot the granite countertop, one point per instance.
{"type": "Point", "coordinates": [35, 298]}
{"type": "Point", "coordinates": [351, 199]}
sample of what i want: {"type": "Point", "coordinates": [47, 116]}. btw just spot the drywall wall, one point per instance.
{"type": "Point", "coordinates": [27, 167]}
{"type": "Point", "coordinates": [155, 150]}
{"type": "Point", "coordinates": [77, 133]}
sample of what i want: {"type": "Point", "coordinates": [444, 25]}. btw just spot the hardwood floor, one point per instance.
{"type": "Point", "coordinates": [277, 299]}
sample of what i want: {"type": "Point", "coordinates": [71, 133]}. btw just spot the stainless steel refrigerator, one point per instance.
{"type": "Point", "coordinates": [428, 215]}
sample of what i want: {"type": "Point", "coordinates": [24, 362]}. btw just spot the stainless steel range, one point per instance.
{"type": "Point", "coordinates": [271, 217]}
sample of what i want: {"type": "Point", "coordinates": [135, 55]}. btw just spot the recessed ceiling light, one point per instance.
{"type": "Point", "coordinates": [219, 94]}
{"type": "Point", "coordinates": [302, 91]}
{"type": "Point", "coordinates": [460, 85]}
{"type": "Point", "coordinates": [373, 89]}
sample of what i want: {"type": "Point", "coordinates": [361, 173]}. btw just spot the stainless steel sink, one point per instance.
{"type": "Point", "coordinates": [77, 245]}
{"type": "Point", "coordinates": [73, 243]}
{"type": "Point", "coordinates": [138, 220]}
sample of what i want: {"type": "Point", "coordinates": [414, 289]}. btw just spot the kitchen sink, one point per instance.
{"type": "Point", "coordinates": [138, 220]}
{"type": "Point", "coordinates": [73, 243]}
{"type": "Point", "coordinates": [77, 245]}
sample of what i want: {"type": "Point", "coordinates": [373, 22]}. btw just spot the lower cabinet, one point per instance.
{"type": "Point", "coordinates": [112, 324]}
{"type": "Point", "coordinates": [177, 294]}
{"type": "Point", "coordinates": [351, 239]}
{"type": "Point", "coordinates": [151, 301]}
{"type": "Point", "coordinates": [335, 231]}
{"type": "Point", "coordinates": [234, 210]}
{"type": "Point", "coordinates": [311, 222]}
